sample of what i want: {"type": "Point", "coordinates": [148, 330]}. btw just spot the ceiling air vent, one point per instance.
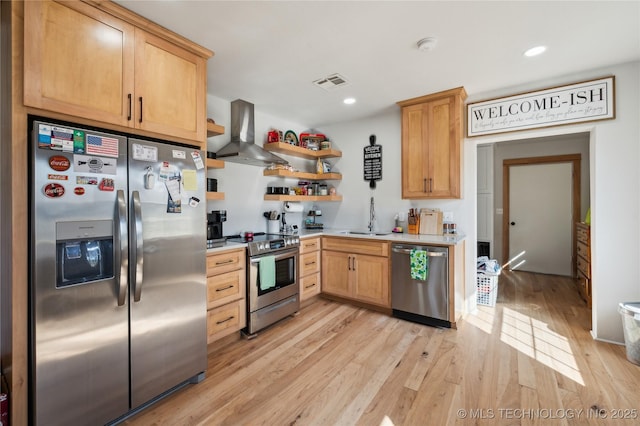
{"type": "Point", "coordinates": [331, 82]}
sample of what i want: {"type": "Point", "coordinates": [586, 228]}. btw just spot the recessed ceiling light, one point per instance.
{"type": "Point", "coordinates": [349, 101]}
{"type": "Point", "coordinates": [535, 51]}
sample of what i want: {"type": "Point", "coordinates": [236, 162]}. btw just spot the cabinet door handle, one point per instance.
{"type": "Point", "coordinates": [310, 285]}
{"type": "Point", "coordinates": [424, 185]}
{"type": "Point", "coordinates": [223, 321]}
{"type": "Point", "coordinates": [224, 288]}
{"type": "Point", "coordinates": [140, 99]}
{"type": "Point", "coordinates": [349, 263]}
{"type": "Point", "coordinates": [430, 184]}
{"type": "Point", "coordinates": [130, 107]}
{"type": "Point", "coordinates": [224, 262]}
{"type": "Point", "coordinates": [310, 263]}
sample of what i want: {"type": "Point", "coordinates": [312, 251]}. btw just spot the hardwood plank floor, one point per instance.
{"type": "Point", "coordinates": [529, 360]}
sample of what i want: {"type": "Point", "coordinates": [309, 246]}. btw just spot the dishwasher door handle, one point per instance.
{"type": "Point", "coordinates": [429, 253]}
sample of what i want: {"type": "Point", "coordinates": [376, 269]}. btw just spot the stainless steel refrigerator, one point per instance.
{"type": "Point", "coordinates": [117, 276]}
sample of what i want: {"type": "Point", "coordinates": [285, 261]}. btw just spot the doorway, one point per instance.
{"type": "Point", "coordinates": [541, 200]}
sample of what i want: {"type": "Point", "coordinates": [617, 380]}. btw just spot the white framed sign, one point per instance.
{"type": "Point", "coordinates": [575, 103]}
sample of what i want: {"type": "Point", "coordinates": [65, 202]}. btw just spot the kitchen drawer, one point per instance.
{"type": "Point", "coordinates": [224, 288]}
{"type": "Point", "coordinates": [309, 244]}
{"type": "Point", "coordinates": [584, 267]}
{"type": "Point", "coordinates": [226, 261]}
{"type": "Point", "coordinates": [309, 263]}
{"type": "Point", "coordinates": [582, 233]}
{"type": "Point", "coordinates": [583, 250]}
{"type": "Point", "coordinates": [225, 320]}
{"type": "Point", "coordinates": [354, 245]}
{"type": "Point", "coordinates": [309, 286]}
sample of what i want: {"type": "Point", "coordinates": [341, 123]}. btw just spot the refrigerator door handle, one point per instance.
{"type": "Point", "coordinates": [138, 246]}
{"type": "Point", "coordinates": [121, 253]}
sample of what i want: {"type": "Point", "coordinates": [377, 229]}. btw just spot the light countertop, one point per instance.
{"type": "Point", "coordinates": [449, 240]}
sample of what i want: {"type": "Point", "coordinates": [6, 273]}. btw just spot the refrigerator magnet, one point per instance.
{"type": "Point", "coordinates": [59, 163]}
{"type": "Point", "coordinates": [144, 152]}
{"type": "Point", "coordinates": [52, 176]}
{"type": "Point", "coordinates": [105, 146]}
{"type": "Point", "coordinates": [197, 160]}
{"type": "Point", "coordinates": [174, 206]}
{"type": "Point", "coordinates": [149, 178]}
{"type": "Point", "coordinates": [53, 190]}
{"type": "Point", "coordinates": [90, 164]}
{"type": "Point", "coordinates": [177, 153]}
{"type": "Point", "coordinates": [106, 184]}
{"type": "Point", "coordinates": [193, 201]}
{"type": "Point", "coordinates": [78, 190]}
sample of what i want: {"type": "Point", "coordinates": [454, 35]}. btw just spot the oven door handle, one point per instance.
{"type": "Point", "coordinates": [278, 256]}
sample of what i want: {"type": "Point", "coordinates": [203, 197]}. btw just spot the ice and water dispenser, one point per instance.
{"type": "Point", "coordinates": [84, 252]}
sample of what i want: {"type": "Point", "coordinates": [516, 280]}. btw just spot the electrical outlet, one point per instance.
{"type": "Point", "coordinates": [447, 216]}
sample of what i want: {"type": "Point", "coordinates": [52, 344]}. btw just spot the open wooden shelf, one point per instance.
{"type": "Point", "coordinates": [214, 196]}
{"type": "Point", "coordinates": [214, 163]}
{"type": "Point", "coordinates": [214, 129]}
{"type": "Point", "coordinates": [285, 148]}
{"type": "Point", "coordinates": [272, 197]}
{"type": "Point", "coordinates": [303, 175]}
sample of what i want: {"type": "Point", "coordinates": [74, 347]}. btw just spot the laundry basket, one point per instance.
{"type": "Point", "coordinates": [487, 289]}
{"type": "Point", "coordinates": [631, 325]}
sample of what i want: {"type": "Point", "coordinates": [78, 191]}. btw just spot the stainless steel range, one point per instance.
{"type": "Point", "coordinates": [272, 279]}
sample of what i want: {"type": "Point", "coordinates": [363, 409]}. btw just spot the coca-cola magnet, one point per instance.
{"type": "Point", "coordinates": [59, 163]}
{"type": "Point", "coordinates": [53, 190]}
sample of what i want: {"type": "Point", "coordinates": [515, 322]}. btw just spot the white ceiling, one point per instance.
{"type": "Point", "coordinates": [270, 52]}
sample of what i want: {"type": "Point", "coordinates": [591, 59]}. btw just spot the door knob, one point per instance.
{"type": "Point", "coordinates": [513, 223]}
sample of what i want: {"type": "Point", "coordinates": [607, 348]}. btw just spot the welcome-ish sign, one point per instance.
{"type": "Point", "coordinates": [575, 103]}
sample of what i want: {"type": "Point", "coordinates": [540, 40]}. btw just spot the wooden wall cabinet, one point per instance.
{"type": "Point", "coordinates": [309, 270]}
{"type": "Point", "coordinates": [98, 63]}
{"type": "Point", "coordinates": [583, 260]}
{"type": "Point", "coordinates": [432, 145]}
{"type": "Point", "coordinates": [226, 293]}
{"type": "Point", "coordinates": [356, 269]}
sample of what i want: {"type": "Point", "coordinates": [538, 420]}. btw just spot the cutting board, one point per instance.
{"type": "Point", "coordinates": [430, 222]}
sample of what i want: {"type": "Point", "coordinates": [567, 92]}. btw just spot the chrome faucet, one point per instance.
{"type": "Point", "coordinates": [372, 215]}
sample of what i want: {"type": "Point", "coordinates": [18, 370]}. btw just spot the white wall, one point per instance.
{"type": "Point", "coordinates": [615, 182]}
{"type": "Point", "coordinates": [615, 195]}
{"type": "Point", "coordinates": [244, 185]}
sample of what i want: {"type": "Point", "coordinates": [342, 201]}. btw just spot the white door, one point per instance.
{"type": "Point", "coordinates": [540, 198]}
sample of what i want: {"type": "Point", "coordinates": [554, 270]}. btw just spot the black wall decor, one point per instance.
{"type": "Point", "coordinates": [372, 157]}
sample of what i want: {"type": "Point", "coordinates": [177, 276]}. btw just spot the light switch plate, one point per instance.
{"type": "Point", "coordinates": [447, 216]}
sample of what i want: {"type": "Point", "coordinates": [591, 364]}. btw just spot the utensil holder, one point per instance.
{"type": "Point", "coordinates": [273, 226]}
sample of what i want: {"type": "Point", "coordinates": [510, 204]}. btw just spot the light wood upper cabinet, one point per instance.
{"type": "Point", "coordinates": [78, 60]}
{"type": "Point", "coordinates": [170, 90]}
{"type": "Point", "coordinates": [97, 63]}
{"type": "Point", "coordinates": [432, 145]}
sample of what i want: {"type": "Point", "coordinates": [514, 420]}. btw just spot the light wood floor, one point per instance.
{"type": "Point", "coordinates": [529, 360]}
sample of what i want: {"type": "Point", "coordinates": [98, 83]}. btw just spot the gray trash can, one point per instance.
{"type": "Point", "coordinates": [631, 325]}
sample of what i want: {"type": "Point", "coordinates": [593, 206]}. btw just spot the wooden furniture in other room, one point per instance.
{"type": "Point", "coordinates": [583, 260]}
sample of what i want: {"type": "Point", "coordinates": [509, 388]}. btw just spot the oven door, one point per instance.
{"type": "Point", "coordinates": [285, 269]}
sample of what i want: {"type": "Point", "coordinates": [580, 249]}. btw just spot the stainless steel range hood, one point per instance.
{"type": "Point", "coordinates": [242, 148]}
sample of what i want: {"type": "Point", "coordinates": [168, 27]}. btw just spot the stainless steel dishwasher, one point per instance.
{"type": "Point", "coordinates": [423, 301]}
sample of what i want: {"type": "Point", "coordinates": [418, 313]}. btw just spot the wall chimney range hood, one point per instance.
{"type": "Point", "coordinates": [242, 148]}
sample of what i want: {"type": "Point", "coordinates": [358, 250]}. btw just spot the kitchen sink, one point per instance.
{"type": "Point", "coordinates": [364, 233]}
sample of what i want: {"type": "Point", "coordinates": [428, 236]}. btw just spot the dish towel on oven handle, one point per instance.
{"type": "Point", "coordinates": [267, 270]}
{"type": "Point", "coordinates": [419, 264]}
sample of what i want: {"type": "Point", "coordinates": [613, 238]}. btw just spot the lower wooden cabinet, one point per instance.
{"type": "Point", "coordinates": [583, 260]}
{"type": "Point", "coordinates": [226, 319]}
{"type": "Point", "coordinates": [309, 267]}
{"type": "Point", "coordinates": [226, 293]}
{"type": "Point", "coordinates": [350, 271]}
